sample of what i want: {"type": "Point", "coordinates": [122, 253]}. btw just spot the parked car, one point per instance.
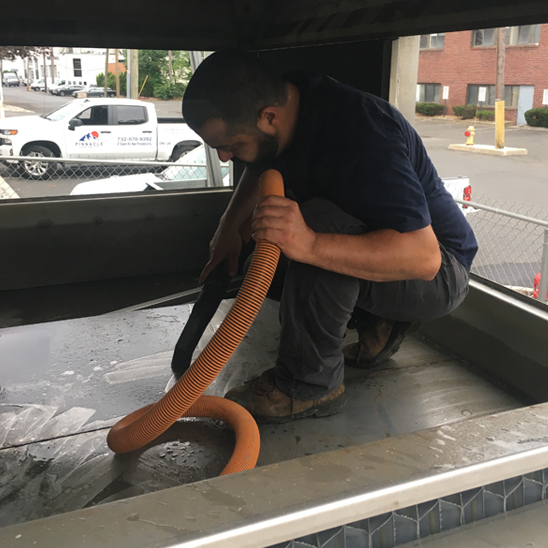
{"type": "Point", "coordinates": [96, 129]}
{"type": "Point", "coordinates": [68, 89]}
{"type": "Point", "coordinates": [39, 85]}
{"type": "Point", "coordinates": [95, 91]}
{"type": "Point", "coordinates": [10, 79]}
{"type": "Point", "coordinates": [192, 173]}
{"type": "Point", "coordinates": [58, 84]}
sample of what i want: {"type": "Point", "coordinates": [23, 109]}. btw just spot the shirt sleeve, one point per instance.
{"type": "Point", "coordinates": [375, 179]}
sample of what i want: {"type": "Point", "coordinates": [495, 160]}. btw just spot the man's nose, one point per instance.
{"type": "Point", "coordinates": [224, 156]}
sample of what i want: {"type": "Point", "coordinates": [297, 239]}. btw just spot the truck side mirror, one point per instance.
{"type": "Point", "coordinates": [75, 122]}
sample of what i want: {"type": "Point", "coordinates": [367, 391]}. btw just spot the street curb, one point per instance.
{"type": "Point", "coordinates": [489, 149]}
{"type": "Point", "coordinates": [13, 108]}
{"type": "Point", "coordinates": [6, 192]}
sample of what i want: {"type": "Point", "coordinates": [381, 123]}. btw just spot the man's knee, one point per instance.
{"type": "Point", "coordinates": [324, 216]}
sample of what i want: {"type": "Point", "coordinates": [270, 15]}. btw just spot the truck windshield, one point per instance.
{"type": "Point", "coordinates": [69, 110]}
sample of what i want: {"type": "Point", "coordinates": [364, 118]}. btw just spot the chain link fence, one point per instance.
{"type": "Point", "coordinates": [512, 241]}
{"type": "Point", "coordinates": [45, 176]}
{"type": "Point", "coordinates": [512, 237]}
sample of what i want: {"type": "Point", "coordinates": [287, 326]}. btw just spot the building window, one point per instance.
{"type": "Point", "coordinates": [515, 36]}
{"type": "Point", "coordinates": [432, 41]}
{"type": "Point", "coordinates": [428, 93]}
{"type": "Point", "coordinates": [526, 34]}
{"type": "Point", "coordinates": [77, 65]}
{"type": "Point", "coordinates": [484, 37]}
{"type": "Point", "coordinates": [511, 95]}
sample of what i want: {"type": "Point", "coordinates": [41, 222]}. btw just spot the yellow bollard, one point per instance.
{"type": "Point", "coordinates": [499, 124]}
{"type": "Point", "coordinates": [470, 132]}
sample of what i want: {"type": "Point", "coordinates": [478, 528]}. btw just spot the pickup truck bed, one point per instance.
{"type": "Point", "coordinates": [64, 383]}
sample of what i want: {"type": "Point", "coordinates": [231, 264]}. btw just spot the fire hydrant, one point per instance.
{"type": "Point", "coordinates": [470, 132]}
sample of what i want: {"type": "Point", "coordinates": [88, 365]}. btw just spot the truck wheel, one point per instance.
{"type": "Point", "coordinates": [37, 170]}
{"type": "Point", "coordinates": [178, 151]}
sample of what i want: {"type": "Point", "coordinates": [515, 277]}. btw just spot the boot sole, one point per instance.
{"type": "Point", "coordinates": [393, 344]}
{"type": "Point", "coordinates": [324, 410]}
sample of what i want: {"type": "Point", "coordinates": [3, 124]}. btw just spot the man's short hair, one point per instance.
{"type": "Point", "coordinates": [234, 86]}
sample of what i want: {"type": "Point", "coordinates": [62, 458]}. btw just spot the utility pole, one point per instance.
{"type": "Point", "coordinates": [499, 88]}
{"type": "Point", "coordinates": [106, 73]}
{"type": "Point", "coordinates": [170, 66]}
{"type": "Point", "coordinates": [134, 73]}
{"type": "Point", "coordinates": [128, 73]}
{"type": "Point", "coordinates": [52, 59]}
{"type": "Point", "coordinates": [45, 72]}
{"type": "Point", "coordinates": [117, 72]}
{"type": "Point", "coordinates": [28, 74]}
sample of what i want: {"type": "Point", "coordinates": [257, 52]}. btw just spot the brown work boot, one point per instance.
{"type": "Point", "coordinates": [377, 342]}
{"type": "Point", "coordinates": [269, 405]}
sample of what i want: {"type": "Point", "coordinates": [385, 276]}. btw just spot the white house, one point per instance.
{"type": "Point", "coordinates": [74, 65]}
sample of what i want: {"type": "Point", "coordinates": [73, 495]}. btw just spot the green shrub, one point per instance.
{"type": "Point", "coordinates": [537, 117]}
{"type": "Point", "coordinates": [488, 115]}
{"type": "Point", "coordinates": [100, 81]}
{"type": "Point", "coordinates": [465, 111]}
{"type": "Point", "coordinates": [429, 109]}
{"type": "Point", "coordinates": [169, 91]}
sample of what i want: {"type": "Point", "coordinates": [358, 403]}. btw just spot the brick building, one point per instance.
{"type": "Point", "coordinates": [466, 61]}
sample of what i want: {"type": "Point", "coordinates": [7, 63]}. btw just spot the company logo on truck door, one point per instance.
{"type": "Point", "coordinates": [91, 139]}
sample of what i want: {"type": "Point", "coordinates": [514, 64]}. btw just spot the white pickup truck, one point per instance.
{"type": "Point", "coordinates": [102, 129]}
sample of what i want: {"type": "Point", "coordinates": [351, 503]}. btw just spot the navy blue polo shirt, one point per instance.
{"type": "Point", "coordinates": [359, 152]}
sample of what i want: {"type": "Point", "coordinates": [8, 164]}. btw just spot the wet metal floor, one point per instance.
{"type": "Point", "coordinates": [63, 384]}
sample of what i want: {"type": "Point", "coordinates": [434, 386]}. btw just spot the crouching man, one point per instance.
{"type": "Point", "coordinates": [370, 233]}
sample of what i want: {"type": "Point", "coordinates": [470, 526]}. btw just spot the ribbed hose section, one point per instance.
{"type": "Point", "coordinates": [248, 442]}
{"type": "Point", "coordinates": [146, 424]}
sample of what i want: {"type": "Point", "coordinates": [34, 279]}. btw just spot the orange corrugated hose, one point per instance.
{"type": "Point", "coordinates": [185, 398]}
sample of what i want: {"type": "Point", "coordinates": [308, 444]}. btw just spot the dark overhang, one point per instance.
{"type": "Point", "coordinates": [252, 24]}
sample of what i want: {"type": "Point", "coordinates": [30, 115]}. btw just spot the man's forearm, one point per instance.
{"type": "Point", "coordinates": [243, 201]}
{"type": "Point", "coordinates": [382, 256]}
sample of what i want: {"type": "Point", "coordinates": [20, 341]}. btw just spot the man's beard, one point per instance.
{"type": "Point", "coordinates": [266, 153]}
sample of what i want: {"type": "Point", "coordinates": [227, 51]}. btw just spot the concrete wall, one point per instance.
{"type": "Point", "coordinates": [403, 75]}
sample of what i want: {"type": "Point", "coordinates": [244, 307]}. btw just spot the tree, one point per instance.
{"type": "Point", "coordinates": [154, 67]}
{"type": "Point", "coordinates": [100, 81]}
{"type": "Point", "coordinates": [9, 53]}
{"type": "Point", "coordinates": [181, 67]}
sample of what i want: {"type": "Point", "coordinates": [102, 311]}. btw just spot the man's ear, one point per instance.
{"type": "Point", "coordinates": [268, 119]}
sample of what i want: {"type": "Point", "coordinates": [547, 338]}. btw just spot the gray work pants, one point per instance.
{"type": "Point", "coordinates": [317, 304]}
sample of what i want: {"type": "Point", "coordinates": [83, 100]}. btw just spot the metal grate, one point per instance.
{"type": "Point", "coordinates": [422, 520]}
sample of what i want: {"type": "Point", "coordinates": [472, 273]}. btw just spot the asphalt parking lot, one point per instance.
{"type": "Point", "coordinates": [512, 179]}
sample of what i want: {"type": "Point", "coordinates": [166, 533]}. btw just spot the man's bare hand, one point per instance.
{"type": "Point", "coordinates": [225, 244]}
{"type": "Point", "coordinates": [279, 220]}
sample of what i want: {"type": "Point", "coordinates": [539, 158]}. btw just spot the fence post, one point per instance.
{"type": "Point", "coordinates": [543, 285]}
